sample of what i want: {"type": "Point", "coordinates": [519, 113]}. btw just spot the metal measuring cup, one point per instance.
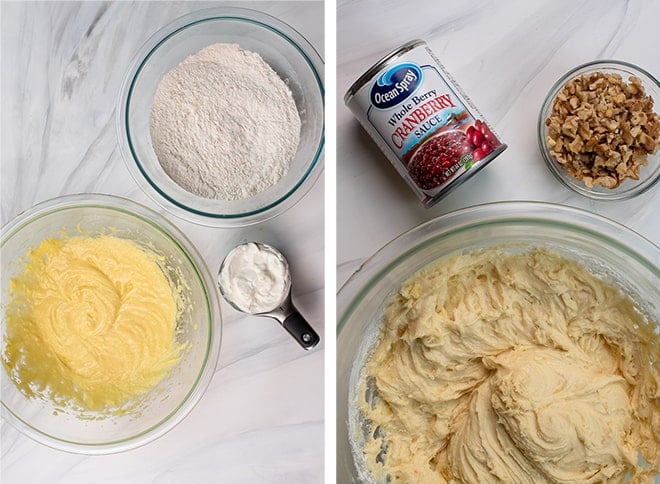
{"type": "Point", "coordinates": [284, 311]}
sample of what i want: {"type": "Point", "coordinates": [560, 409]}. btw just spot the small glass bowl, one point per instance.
{"type": "Point", "coordinates": [198, 327]}
{"type": "Point", "coordinates": [649, 174]}
{"type": "Point", "coordinates": [290, 55]}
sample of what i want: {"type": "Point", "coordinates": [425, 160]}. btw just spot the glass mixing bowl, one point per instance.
{"type": "Point", "coordinates": [607, 248]}
{"type": "Point", "coordinates": [198, 327]}
{"type": "Point", "coordinates": [649, 174]}
{"type": "Point", "coordinates": [284, 49]}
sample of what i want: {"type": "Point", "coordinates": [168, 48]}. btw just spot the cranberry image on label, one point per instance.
{"type": "Point", "coordinates": [482, 139]}
{"type": "Point", "coordinates": [438, 159]}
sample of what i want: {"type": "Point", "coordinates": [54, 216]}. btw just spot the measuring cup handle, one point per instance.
{"type": "Point", "coordinates": [301, 331]}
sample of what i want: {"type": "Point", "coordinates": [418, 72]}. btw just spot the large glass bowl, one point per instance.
{"type": "Point", "coordinates": [607, 248]}
{"type": "Point", "coordinates": [291, 56]}
{"type": "Point", "coordinates": [649, 174]}
{"type": "Point", "coordinates": [198, 327]}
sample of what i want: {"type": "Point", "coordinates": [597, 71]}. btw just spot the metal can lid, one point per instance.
{"type": "Point", "coordinates": [373, 70]}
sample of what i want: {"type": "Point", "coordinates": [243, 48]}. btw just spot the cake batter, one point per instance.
{"type": "Point", "coordinates": [91, 322]}
{"type": "Point", "coordinates": [511, 367]}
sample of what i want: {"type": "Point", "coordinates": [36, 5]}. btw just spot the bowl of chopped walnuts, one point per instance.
{"type": "Point", "coordinates": [599, 131]}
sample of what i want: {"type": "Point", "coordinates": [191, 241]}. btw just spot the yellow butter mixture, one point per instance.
{"type": "Point", "coordinates": [499, 366]}
{"type": "Point", "coordinates": [91, 322]}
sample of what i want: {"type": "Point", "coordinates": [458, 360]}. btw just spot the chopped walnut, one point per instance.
{"type": "Point", "coordinates": [602, 129]}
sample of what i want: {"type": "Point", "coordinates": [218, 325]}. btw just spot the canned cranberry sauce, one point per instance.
{"type": "Point", "coordinates": [423, 122]}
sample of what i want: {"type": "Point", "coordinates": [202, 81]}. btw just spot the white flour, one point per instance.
{"type": "Point", "coordinates": [224, 125]}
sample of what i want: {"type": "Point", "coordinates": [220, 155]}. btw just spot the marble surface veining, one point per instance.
{"type": "Point", "coordinates": [505, 55]}
{"type": "Point", "coordinates": [261, 419]}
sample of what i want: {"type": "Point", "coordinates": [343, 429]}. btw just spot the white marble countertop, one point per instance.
{"type": "Point", "coordinates": [505, 55]}
{"type": "Point", "coordinates": [262, 417]}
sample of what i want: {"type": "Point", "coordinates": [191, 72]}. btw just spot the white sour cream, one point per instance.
{"type": "Point", "coordinates": [254, 278]}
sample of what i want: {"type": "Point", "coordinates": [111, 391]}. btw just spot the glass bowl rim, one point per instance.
{"type": "Point", "coordinates": [143, 56]}
{"type": "Point", "coordinates": [376, 266]}
{"type": "Point", "coordinates": [637, 189]}
{"type": "Point", "coordinates": [186, 248]}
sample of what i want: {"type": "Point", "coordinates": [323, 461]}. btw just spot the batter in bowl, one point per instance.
{"type": "Point", "coordinates": [91, 322]}
{"type": "Point", "coordinates": [502, 366]}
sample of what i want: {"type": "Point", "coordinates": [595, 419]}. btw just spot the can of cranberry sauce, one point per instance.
{"type": "Point", "coordinates": [423, 122]}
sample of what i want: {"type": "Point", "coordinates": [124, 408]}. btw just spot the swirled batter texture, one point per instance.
{"type": "Point", "coordinates": [91, 322]}
{"type": "Point", "coordinates": [504, 367]}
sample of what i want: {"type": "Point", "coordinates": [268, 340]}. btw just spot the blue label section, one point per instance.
{"type": "Point", "coordinates": [396, 85]}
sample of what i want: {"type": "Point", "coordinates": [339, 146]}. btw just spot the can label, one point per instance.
{"type": "Point", "coordinates": [423, 119]}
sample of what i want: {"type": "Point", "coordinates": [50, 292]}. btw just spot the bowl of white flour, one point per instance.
{"type": "Point", "coordinates": [221, 117]}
